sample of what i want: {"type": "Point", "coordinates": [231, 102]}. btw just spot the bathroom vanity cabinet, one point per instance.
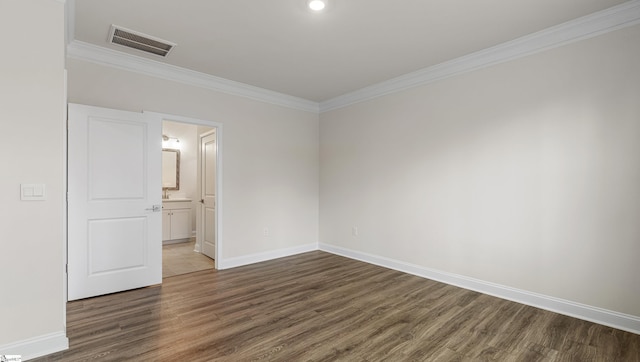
{"type": "Point", "coordinates": [176, 220]}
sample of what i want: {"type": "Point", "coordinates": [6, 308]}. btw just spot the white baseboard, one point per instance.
{"type": "Point", "coordinates": [264, 256]}
{"type": "Point", "coordinates": [37, 346]}
{"type": "Point", "coordinates": [605, 317]}
{"type": "Point", "coordinates": [176, 241]}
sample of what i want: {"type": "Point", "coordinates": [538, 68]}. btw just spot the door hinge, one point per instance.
{"type": "Point", "coordinates": [66, 268]}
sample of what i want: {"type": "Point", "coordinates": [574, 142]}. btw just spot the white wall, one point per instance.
{"type": "Point", "coordinates": [270, 153]}
{"type": "Point", "coordinates": [525, 174]}
{"type": "Point", "coordinates": [32, 151]}
{"type": "Point", "coordinates": [188, 134]}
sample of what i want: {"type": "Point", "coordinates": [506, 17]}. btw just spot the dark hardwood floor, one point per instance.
{"type": "Point", "coordinates": [321, 307]}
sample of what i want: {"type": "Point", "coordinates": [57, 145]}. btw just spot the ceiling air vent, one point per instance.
{"type": "Point", "coordinates": [140, 41]}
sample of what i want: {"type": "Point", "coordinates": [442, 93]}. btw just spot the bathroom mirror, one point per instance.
{"type": "Point", "coordinates": [170, 169]}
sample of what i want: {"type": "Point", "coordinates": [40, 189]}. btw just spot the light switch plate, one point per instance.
{"type": "Point", "coordinates": [33, 192]}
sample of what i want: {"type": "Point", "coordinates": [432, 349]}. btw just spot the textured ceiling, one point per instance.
{"type": "Point", "coordinates": [280, 46]}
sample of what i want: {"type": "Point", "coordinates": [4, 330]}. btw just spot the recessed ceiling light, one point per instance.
{"type": "Point", "coordinates": [316, 5]}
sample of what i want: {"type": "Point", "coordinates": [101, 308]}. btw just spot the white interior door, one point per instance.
{"type": "Point", "coordinates": [114, 201]}
{"type": "Point", "coordinates": [208, 150]}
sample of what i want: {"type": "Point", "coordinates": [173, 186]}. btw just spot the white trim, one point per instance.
{"type": "Point", "coordinates": [37, 346]}
{"type": "Point", "coordinates": [228, 263]}
{"type": "Point", "coordinates": [605, 317]}
{"type": "Point", "coordinates": [614, 18]}
{"type": "Point", "coordinates": [219, 172]}
{"type": "Point", "coordinates": [65, 193]}
{"type": "Point", "coordinates": [589, 26]}
{"type": "Point", "coordinates": [70, 19]}
{"type": "Point", "coordinates": [119, 60]}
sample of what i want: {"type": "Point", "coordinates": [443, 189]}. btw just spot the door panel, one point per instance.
{"type": "Point", "coordinates": [115, 232]}
{"type": "Point", "coordinates": [166, 225]}
{"type": "Point", "coordinates": [208, 159]}
{"type": "Point", "coordinates": [210, 231]}
{"type": "Point", "coordinates": [116, 159]}
{"type": "Point", "coordinates": [123, 239]}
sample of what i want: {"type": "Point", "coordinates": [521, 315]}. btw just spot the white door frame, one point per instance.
{"type": "Point", "coordinates": [219, 194]}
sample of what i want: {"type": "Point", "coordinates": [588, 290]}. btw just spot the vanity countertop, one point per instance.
{"type": "Point", "coordinates": [176, 200]}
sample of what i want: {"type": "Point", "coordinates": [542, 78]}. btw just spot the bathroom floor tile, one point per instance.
{"type": "Point", "coordinates": [180, 259]}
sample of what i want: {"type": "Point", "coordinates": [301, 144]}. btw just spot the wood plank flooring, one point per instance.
{"type": "Point", "coordinates": [321, 307]}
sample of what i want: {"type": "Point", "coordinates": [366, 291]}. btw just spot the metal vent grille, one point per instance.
{"type": "Point", "coordinates": [139, 41]}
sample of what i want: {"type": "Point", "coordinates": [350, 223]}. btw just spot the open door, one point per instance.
{"type": "Point", "coordinates": [208, 159]}
{"type": "Point", "coordinates": [114, 201]}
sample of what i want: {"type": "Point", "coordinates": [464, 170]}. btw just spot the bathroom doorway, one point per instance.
{"type": "Point", "coordinates": [182, 200]}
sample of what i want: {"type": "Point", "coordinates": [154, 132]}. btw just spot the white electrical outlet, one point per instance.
{"type": "Point", "coordinates": [354, 231]}
{"type": "Point", "coordinates": [265, 232]}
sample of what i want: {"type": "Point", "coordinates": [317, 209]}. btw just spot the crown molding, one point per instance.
{"type": "Point", "coordinates": [614, 18]}
{"type": "Point", "coordinates": [100, 55]}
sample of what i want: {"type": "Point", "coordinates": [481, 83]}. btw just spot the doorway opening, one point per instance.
{"type": "Point", "coordinates": [114, 204]}
{"type": "Point", "coordinates": [190, 215]}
